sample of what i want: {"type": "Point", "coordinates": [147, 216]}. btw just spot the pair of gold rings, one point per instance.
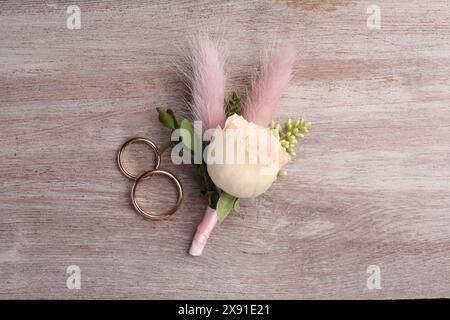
{"type": "Point", "coordinates": [148, 174]}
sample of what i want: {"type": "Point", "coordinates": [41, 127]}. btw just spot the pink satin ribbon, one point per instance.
{"type": "Point", "coordinates": [203, 231]}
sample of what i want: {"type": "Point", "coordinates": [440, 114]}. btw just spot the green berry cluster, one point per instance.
{"type": "Point", "coordinates": [288, 135]}
{"type": "Point", "coordinates": [290, 132]}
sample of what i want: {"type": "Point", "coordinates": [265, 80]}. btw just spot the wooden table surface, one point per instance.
{"type": "Point", "coordinates": [371, 185]}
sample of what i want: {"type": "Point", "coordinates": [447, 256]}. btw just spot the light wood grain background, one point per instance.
{"type": "Point", "coordinates": [371, 185]}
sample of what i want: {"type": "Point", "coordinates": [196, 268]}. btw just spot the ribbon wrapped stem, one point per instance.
{"type": "Point", "coordinates": [204, 229]}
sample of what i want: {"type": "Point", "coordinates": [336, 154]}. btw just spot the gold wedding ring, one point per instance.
{"type": "Point", "coordinates": [133, 140]}
{"type": "Point", "coordinates": [159, 216]}
{"type": "Point", "coordinates": [146, 175]}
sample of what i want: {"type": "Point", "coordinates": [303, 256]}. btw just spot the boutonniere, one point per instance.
{"type": "Point", "coordinates": [239, 149]}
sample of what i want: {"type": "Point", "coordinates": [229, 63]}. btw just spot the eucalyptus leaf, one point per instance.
{"type": "Point", "coordinates": [224, 205]}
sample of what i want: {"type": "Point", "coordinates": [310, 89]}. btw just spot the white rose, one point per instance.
{"type": "Point", "coordinates": [243, 158]}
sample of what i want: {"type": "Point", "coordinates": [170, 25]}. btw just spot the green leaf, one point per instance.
{"type": "Point", "coordinates": [237, 209]}
{"type": "Point", "coordinates": [187, 135]}
{"type": "Point", "coordinates": [214, 199]}
{"type": "Point", "coordinates": [201, 170]}
{"type": "Point", "coordinates": [224, 205]}
{"type": "Point", "coordinates": [232, 105]}
{"type": "Point", "coordinates": [209, 189]}
{"type": "Point", "coordinates": [204, 175]}
{"type": "Point", "coordinates": [236, 206]}
{"type": "Point", "coordinates": [167, 118]}
{"type": "Point", "coordinates": [169, 111]}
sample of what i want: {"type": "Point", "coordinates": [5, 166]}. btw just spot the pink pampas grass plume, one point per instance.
{"type": "Point", "coordinates": [207, 83]}
{"type": "Point", "coordinates": [266, 91]}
